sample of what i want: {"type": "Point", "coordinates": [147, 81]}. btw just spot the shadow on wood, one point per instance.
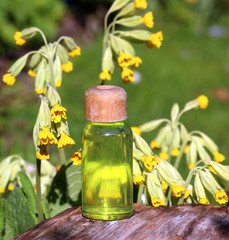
{"type": "Point", "coordinates": [189, 222]}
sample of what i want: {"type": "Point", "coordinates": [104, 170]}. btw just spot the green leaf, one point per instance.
{"type": "Point", "coordinates": [46, 208]}
{"type": "Point", "coordinates": [117, 4]}
{"type": "Point", "coordinates": [65, 190]}
{"type": "Point", "coordinates": [20, 212]}
{"type": "Point", "coordinates": [28, 189]}
{"type": "Point", "coordinates": [119, 45]}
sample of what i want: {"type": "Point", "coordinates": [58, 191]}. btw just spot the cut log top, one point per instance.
{"type": "Point", "coordinates": [189, 222]}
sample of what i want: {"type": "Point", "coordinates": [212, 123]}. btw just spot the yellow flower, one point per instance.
{"type": "Point", "coordinates": [202, 101]}
{"type": "Point", "coordinates": [136, 61]}
{"type": "Point", "coordinates": [76, 158]}
{"type": "Point", "coordinates": [186, 149]}
{"type": "Point", "coordinates": [203, 201]}
{"type": "Point", "coordinates": [191, 165]}
{"type": "Point", "coordinates": [75, 52]}
{"type": "Point", "coordinates": [58, 83]}
{"type": "Point", "coordinates": [136, 130]}
{"type": "Point", "coordinates": [11, 187]}
{"type": "Point", "coordinates": [154, 144]}
{"type": "Point", "coordinates": [150, 161]}
{"type": "Point", "coordinates": [178, 190]}
{"type": "Point", "coordinates": [65, 141]}
{"type": "Point", "coordinates": [67, 67]}
{"type": "Point", "coordinates": [211, 169]}
{"type": "Point", "coordinates": [155, 40]}
{"type": "Point", "coordinates": [164, 185]}
{"type": "Point", "coordinates": [157, 202]}
{"type": "Point", "coordinates": [221, 197]}
{"type": "Point", "coordinates": [42, 154]}
{"type": "Point", "coordinates": [9, 79]}
{"type": "Point", "coordinates": [175, 152]}
{"type": "Point", "coordinates": [140, 4]}
{"type": "Point", "coordinates": [164, 155]}
{"type": "Point", "coordinates": [139, 179]}
{"type": "Point", "coordinates": [127, 75]}
{"type": "Point", "coordinates": [40, 91]}
{"type": "Point", "coordinates": [32, 73]}
{"type": "Point", "coordinates": [58, 113]}
{"type": "Point", "coordinates": [105, 75]}
{"type": "Point", "coordinates": [124, 60]}
{"type": "Point", "coordinates": [45, 137]}
{"type": "Point", "coordinates": [218, 157]}
{"type": "Point", "coordinates": [147, 20]}
{"type": "Point", "coordinates": [18, 39]}
{"type": "Point", "coordinates": [2, 189]}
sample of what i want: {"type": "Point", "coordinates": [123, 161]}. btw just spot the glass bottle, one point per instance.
{"type": "Point", "coordinates": [107, 191]}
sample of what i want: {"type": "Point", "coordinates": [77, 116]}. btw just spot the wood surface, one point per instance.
{"type": "Point", "coordinates": [189, 222]}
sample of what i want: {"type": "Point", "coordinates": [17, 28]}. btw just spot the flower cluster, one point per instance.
{"type": "Point", "coordinates": [116, 44]}
{"type": "Point", "coordinates": [46, 64]}
{"type": "Point", "coordinates": [158, 173]}
{"type": "Point", "coordinates": [51, 127]}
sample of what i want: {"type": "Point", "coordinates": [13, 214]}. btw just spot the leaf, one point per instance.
{"type": "Point", "coordinates": [117, 4]}
{"type": "Point", "coordinates": [119, 45]}
{"type": "Point", "coordinates": [130, 21]}
{"type": "Point", "coordinates": [65, 190]}
{"type": "Point", "coordinates": [150, 126]}
{"type": "Point", "coordinates": [46, 208]}
{"type": "Point", "coordinates": [20, 212]}
{"type": "Point", "coordinates": [28, 189]}
{"type": "Point", "coordinates": [174, 112]}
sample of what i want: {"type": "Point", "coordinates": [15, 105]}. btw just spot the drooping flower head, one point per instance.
{"type": "Point", "coordinates": [202, 101]}
{"type": "Point", "coordinates": [76, 158]}
{"type": "Point", "coordinates": [140, 4]}
{"type": "Point", "coordinates": [18, 39]}
{"type": "Point", "coordinates": [65, 141]}
{"type": "Point", "coordinates": [46, 137]}
{"type": "Point", "coordinates": [67, 67]}
{"type": "Point", "coordinates": [58, 113]}
{"type": "Point", "coordinates": [105, 75]}
{"type": "Point", "coordinates": [9, 79]}
{"type": "Point", "coordinates": [75, 52]}
{"type": "Point", "coordinates": [155, 40]}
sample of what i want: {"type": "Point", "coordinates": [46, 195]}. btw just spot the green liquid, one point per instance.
{"type": "Point", "coordinates": [107, 192]}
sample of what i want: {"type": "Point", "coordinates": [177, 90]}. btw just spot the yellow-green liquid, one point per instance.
{"type": "Point", "coordinates": [107, 192]}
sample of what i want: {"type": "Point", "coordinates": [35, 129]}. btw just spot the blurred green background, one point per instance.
{"type": "Point", "coordinates": [193, 60]}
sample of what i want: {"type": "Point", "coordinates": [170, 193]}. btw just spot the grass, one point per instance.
{"type": "Point", "coordinates": [186, 66]}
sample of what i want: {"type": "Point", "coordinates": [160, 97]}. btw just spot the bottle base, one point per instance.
{"type": "Point", "coordinates": [107, 214]}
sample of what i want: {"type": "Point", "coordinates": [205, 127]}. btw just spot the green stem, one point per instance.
{"type": "Point", "coordinates": [179, 157]}
{"type": "Point", "coordinates": [38, 187]}
{"type": "Point", "coordinates": [140, 192]}
{"type": "Point", "coordinates": [62, 156]}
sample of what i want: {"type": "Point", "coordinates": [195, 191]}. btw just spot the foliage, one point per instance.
{"type": "Point", "coordinates": [34, 13]}
{"type": "Point", "coordinates": [160, 181]}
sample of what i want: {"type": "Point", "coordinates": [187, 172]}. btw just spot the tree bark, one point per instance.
{"type": "Point", "coordinates": [189, 222]}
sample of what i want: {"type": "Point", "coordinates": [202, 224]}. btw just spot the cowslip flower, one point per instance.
{"type": "Point", "coordinates": [9, 79]}
{"type": "Point", "coordinates": [139, 179]}
{"type": "Point", "coordinates": [32, 73]}
{"type": "Point", "coordinates": [202, 101]}
{"type": "Point", "coordinates": [164, 155]}
{"type": "Point", "coordinates": [156, 202]}
{"type": "Point", "coordinates": [76, 158]}
{"type": "Point", "coordinates": [75, 52]}
{"type": "Point", "coordinates": [203, 201]}
{"type": "Point", "coordinates": [2, 189]}
{"type": "Point", "coordinates": [178, 191]}
{"type": "Point", "coordinates": [136, 130]}
{"type": "Point", "coordinates": [45, 137]}
{"type": "Point", "coordinates": [154, 144]}
{"type": "Point", "coordinates": [140, 4]}
{"type": "Point", "coordinates": [58, 113]}
{"type": "Point", "coordinates": [42, 154]}
{"type": "Point", "coordinates": [18, 39]}
{"type": "Point", "coordinates": [40, 91]}
{"type": "Point", "coordinates": [136, 61]}
{"type": "Point", "coordinates": [105, 75]}
{"type": "Point", "coordinates": [221, 197]}
{"type": "Point", "coordinates": [67, 67]}
{"type": "Point", "coordinates": [127, 75]}
{"type": "Point", "coordinates": [175, 152]}
{"type": "Point", "coordinates": [150, 161]}
{"type": "Point", "coordinates": [124, 60]}
{"type": "Point", "coordinates": [58, 83]}
{"type": "Point", "coordinates": [147, 20]}
{"type": "Point", "coordinates": [65, 141]}
{"type": "Point", "coordinates": [164, 185]}
{"type": "Point", "coordinates": [10, 187]}
{"type": "Point", "coordinates": [218, 157]}
{"type": "Point", "coordinates": [155, 40]}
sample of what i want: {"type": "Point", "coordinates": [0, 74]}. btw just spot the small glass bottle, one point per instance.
{"type": "Point", "coordinates": [107, 191]}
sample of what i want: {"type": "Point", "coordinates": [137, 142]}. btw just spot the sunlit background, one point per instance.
{"type": "Point", "coordinates": [193, 60]}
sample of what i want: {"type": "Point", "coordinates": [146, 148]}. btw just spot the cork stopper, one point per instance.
{"type": "Point", "coordinates": [105, 103]}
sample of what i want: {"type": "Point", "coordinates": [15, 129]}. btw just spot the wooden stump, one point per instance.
{"type": "Point", "coordinates": [189, 222]}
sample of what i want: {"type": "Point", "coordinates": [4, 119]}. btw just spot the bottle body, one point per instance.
{"type": "Point", "coordinates": [107, 192]}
